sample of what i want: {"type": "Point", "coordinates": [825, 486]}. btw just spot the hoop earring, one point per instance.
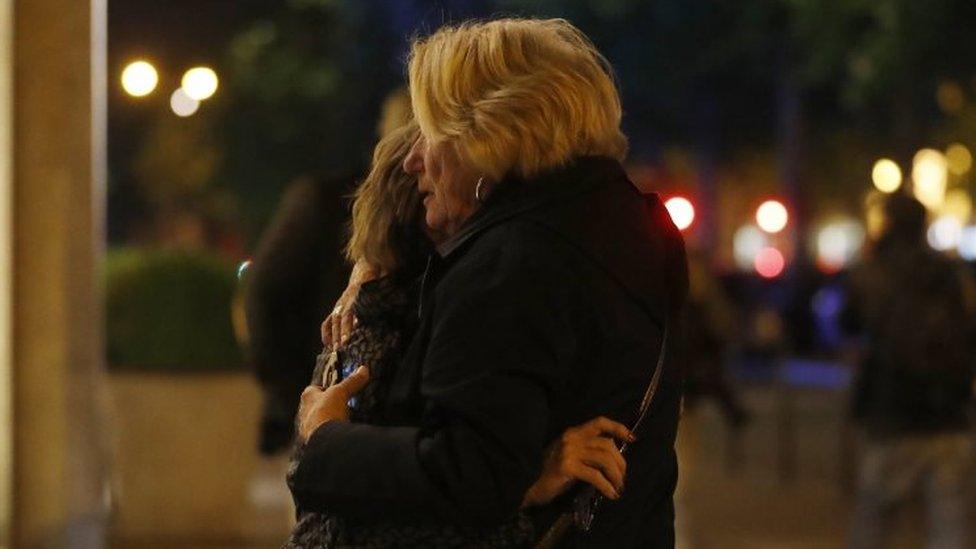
{"type": "Point", "coordinates": [478, 189]}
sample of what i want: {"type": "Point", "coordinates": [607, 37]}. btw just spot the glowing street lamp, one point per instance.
{"type": "Point", "coordinates": [770, 262]}
{"type": "Point", "coordinates": [182, 104]}
{"type": "Point", "coordinates": [929, 173]}
{"type": "Point", "coordinates": [886, 175]}
{"type": "Point", "coordinates": [772, 217]}
{"type": "Point", "coordinates": [199, 83]}
{"type": "Point", "coordinates": [139, 78]}
{"type": "Point", "coordinates": [681, 210]}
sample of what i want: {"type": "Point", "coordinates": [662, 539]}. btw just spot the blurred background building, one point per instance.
{"type": "Point", "coordinates": [145, 146]}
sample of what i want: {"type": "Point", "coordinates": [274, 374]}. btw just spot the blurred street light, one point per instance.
{"type": "Point", "coordinates": [746, 244]}
{"type": "Point", "coordinates": [950, 97]}
{"type": "Point", "coordinates": [958, 159]}
{"type": "Point", "coordinates": [182, 104]}
{"type": "Point", "coordinates": [772, 216]}
{"type": "Point", "coordinates": [770, 262]}
{"type": "Point", "coordinates": [945, 233]}
{"type": "Point", "coordinates": [958, 205]}
{"type": "Point", "coordinates": [139, 78]}
{"type": "Point", "coordinates": [886, 175]}
{"type": "Point", "coordinates": [838, 243]}
{"type": "Point", "coordinates": [967, 243]}
{"type": "Point", "coordinates": [929, 173]}
{"type": "Point", "coordinates": [199, 83]}
{"type": "Point", "coordinates": [681, 211]}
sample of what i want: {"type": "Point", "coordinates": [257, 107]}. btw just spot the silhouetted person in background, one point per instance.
{"type": "Point", "coordinates": [298, 271]}
{"type": "Point", "coordinates": [915, 383]}
{"type": "Point", "coordinates": [709, 330]}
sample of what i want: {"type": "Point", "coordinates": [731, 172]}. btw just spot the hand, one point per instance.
{"type": "Point", "coordinates": [585, 453]}
{"type": "Point", "coordinates": [319, 406]}
{"type": "Point", "coordinates": [340, 322]}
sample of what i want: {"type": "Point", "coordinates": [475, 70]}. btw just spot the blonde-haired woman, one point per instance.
{"type": "Point", "coordinates": [387, 233]}
{"type": "Point", "coordinates": [546, 302]}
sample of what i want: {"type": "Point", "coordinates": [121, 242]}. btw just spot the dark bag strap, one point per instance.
{"type": "Point", "coordinates": [587, 502]}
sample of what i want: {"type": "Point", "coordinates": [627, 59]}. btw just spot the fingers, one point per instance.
{"type": "Point", "coordinates": [595, 478]}
{"type": "Point", "coordinates": [356, 382]}
{"type": "Point", "coordinates": [605, 426]}
{"type": "Point", "coordinates": [346, 325]}
{"type": "Point", "coordinates": [603, 455]}
{"type": "Point", "coordinates": [327, 331]}
{"type": "Point", "coordinates": [336, 326]}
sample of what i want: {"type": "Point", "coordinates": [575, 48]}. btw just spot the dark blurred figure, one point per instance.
{"type": "Point", "coordinates": [296, 275]}
{"type": "Point", "coordinates": [709, 329]}
{"type": "Point", "coordinates": [914, 388]}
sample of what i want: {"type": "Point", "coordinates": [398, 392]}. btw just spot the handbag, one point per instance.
{"type": "Point", "coordinates": [586, 503]}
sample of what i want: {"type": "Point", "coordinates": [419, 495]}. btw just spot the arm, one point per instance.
{"type": "Point", "coordinates": [499, 342]}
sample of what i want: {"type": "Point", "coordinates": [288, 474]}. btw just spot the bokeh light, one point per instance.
{"type": "Point", "coordinates": [772, 216]}
{"type": "Point", "coordinates": [958, 159]}
{"type": "Point", "coordinates": [957, 204]}
{"type": "Point", "coordinates": [746, 244]}
{"type": "Point", "coordinates": [945, 233]}
{"type": "Point", "coordinates": [929, 173]}
{"type": "Point", "coordinates": [139, 78]}
{"type": "Point", "coordinates": [182, 104]}
{"type": "Point", "coordinates": [838, 243]}
{"type": "Point", "coordinates": [199, 83]}
{"type": "Point", "coordinates": [950, 97]}
{"type": "Point", "coordinates": [886, 175]}
{"type": "Point", "coordinates": [967, 243]}
{"type": "Point", "coordinates": [242, 269]}
{"type": "Point", "coordinates": [770, 262]}
{"type": "Point", "coordinates": [681, 210]}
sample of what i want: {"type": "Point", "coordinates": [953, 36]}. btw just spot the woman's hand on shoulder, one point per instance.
{"type": "Point", "coordinates": [585, 453]}
{"type": "Point", "coordinates": [341, 321]}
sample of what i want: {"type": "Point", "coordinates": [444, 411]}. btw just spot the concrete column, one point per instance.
{"type": "Point", "coordinates": [6, 273]}
{"type": "Point", "coordinates": [59, 95]}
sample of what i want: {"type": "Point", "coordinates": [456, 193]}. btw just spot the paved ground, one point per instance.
{"type": "Point", "coordinates": [780, 484]}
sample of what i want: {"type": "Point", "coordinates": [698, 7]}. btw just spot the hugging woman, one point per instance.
{"type": "Point", "coordinates": [543, 304]}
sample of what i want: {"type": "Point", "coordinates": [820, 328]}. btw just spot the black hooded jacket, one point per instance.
{"type": "Point", "coordinates": [545, 311]}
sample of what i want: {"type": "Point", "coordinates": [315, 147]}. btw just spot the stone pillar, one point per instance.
{"type": "Point", "coordinates": [58, 197]}
{"type": "Point", "coordinates": [6, 273]}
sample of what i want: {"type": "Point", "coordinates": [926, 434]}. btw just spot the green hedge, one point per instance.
{"type": "Point", "coordinates": [170, 311]}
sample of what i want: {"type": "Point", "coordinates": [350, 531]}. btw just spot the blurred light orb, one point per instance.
{"type": "Point", "coordinates": [139, 78]}
{"type": "Point", "coordinates": [770, 262]}
{"type": "Point", "coordinates": [681, 210]}
{"type": "Point", "coordinates": [242, 269]}
{"type": "Point", "coordinates": [929, 172]}
{"type": "Point", "coordinates": [958, 159]}
{"type": "Point", "coordinates": [182, 104]}
{"type": "Point", "coordinates": [772, 216]}
{"type": "Point", "coordinates": [199, 83]}
{"type": "Point", "coordinates": [957, 204]}
{"type": "Point", "coordinates": [945, 233]}
{"type": "Point", "coordinates": [886, 175]}
{"type": "Point", "coordinates": [874, 216]}
{"type": "Point", "coordinates": [950, 97]}
{"type": "Point", "coordinates": [746, 244]}
{"type": "Point", "coordinates": [838, 243]}
{"type": "Point", "coordinates": [967, 243]}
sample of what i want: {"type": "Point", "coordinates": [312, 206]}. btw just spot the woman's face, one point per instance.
{"type": "Point", "coordinates": [445, 184]}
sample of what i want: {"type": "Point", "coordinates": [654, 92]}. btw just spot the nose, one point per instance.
{"type": "Point", "coordinates": [414, 162]}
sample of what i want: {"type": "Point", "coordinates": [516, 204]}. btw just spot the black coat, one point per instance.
{"type": "Point", "coordinates": [545, 311]}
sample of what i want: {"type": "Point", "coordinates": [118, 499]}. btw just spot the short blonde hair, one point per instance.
{"type": "Point", "coordinates": [387, 215]}
{"type": "Point", "coordinates": [521, 95]}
